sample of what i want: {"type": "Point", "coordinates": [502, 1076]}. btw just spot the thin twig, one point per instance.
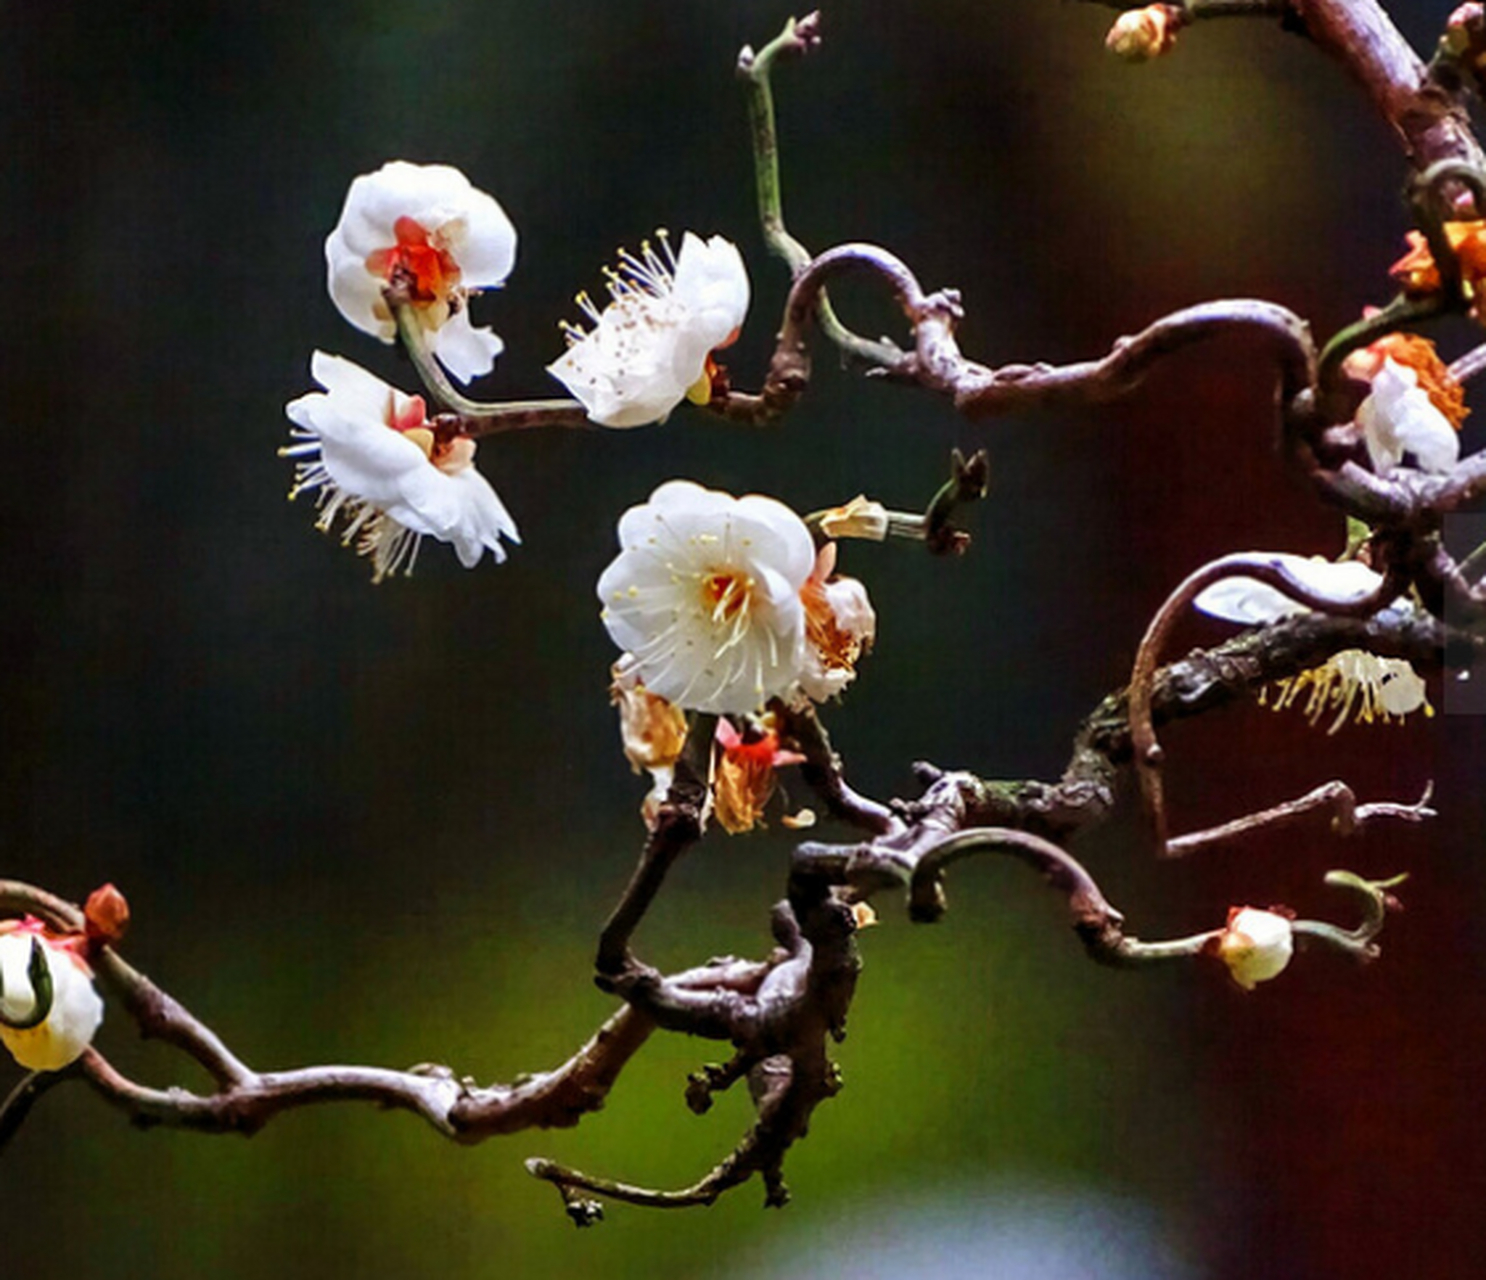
{"type": "Point", "coordinates": [1251, 564]}
{"type": "Point", "coordinates": [1347, 817]}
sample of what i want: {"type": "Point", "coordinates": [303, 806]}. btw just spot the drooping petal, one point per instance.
{"type": "Point", "coordinates": [465, 351]}
{"type": "Point", "coordinates": [1249, 601]}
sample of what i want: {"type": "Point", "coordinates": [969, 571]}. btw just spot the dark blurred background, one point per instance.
{"type": "Point", "coordinates": [383, 825]}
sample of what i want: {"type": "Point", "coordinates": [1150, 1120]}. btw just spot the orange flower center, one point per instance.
{"type": "Point", "coordinates": [726, 595]}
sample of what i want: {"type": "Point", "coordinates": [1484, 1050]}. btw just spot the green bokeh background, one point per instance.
{"type": "Point", "coordinates": [383, 825]}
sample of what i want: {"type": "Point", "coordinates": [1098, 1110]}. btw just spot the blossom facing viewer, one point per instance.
{"type": "Point", "coordinates": [424, 228]}
{"type": "Point", "coordinates": [1255, 945]}
{"type": "Point", "coordinates": [705, 594]}
{"type": "Point", "coordinates": [369, 451]}
{"type": "Point", "coordinates": [67, 1027]}
{"type": "Point", "coordinates": [651, 347]}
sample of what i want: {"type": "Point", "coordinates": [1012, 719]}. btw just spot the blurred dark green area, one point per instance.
{"type": "Point", "coordinates": [383, 825]}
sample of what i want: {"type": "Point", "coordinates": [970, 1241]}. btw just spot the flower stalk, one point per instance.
{"type": "Point", "coordinates": [473, 418]}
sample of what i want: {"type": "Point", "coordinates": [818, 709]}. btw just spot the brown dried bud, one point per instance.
{"type": "Point", "coordinates": [651, 729]}
{"type": "Point", "coordinates": [107, 914]}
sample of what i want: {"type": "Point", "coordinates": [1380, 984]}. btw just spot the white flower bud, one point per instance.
{"type": "Point", "coordinates": [76, 1008]}
{"type": "Point", "coordinates": [1255, 945]}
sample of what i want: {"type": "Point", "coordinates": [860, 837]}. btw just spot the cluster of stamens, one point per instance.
{"type": "Point", "coordinates": [1353, 683]}
{"type": "Point", "coordinates": [647, 274]}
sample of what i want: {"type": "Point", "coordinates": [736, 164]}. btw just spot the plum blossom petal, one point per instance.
{"type": "Point", "coordinates": [705, 594]}
{"type": "Point", "coordinates": [1398, 418]}
{"type": "Point", "coordinates": [368, 451]}
{"type": "Point", "coordinates": [840, 625]}
{"type": "Point", "coordinates": [427, 228]}
{"type": "Point", "coordinates": [1251, 602]}
{"type": "Point", "coordinates": [650, 346]}
{"type": "Point", "coordinates": [76, 1009]}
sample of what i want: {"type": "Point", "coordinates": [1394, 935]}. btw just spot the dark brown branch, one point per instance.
{"type": "Point", "coordinates": [678, 825]}
{"type": "Point", "coordinates": [1084, 797]}
{"type": "Point", "coordinates": [454, 1107]}
{"type": "Point", "coordinates": [937, 364]}
{"type": "Point", "coordinates": [1251, 564]}
{"type": "Point", "coordinates": [781, 1030]}
{"type": "Point", "coordinates": [1431, 124]}
{"type": "Point", "coordinates": [822, 770]}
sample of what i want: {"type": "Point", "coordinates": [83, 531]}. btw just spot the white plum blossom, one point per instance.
{"type": "Point", "coordinates": [1251, 602]}
{"type": "Point", "coordinates": [426, 227]}
{"type": "Point", "coordinates": [840, 624]}
{"type": "Point", "coordinates": [369, 451]}
{"type": "Point", "coordinates": [705, 594]}
{"type": "Point", "coordinates": [648, 349]}
{"type": "Point", "coordinates": [60, 1037]}
{"type": "Point", "coordinates": [1255, 945]}
{"type": "Point", "coordinates": [1399, 418]}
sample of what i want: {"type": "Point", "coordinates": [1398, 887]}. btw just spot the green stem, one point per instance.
{"type": "Point", "coordinates": [755, 67]}
{"type": "Point", "coordinates": [1398, 314]}
{"type": "Point", "coordinates": [1375, 901]}
{"type": "Point", "coordinates": [797, 37]}
{"type": "Point", "coordinates": [477, 417]}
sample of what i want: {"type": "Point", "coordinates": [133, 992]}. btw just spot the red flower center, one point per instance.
{"type": "Point", "coordinates": [430, 272]}
{"type": "Point", "coordinates": [726, 594]}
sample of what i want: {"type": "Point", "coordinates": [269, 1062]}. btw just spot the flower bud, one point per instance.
{"type": "Point", "coordinates": [859, 518]}
{"type": "Point", "coordinates": [107, 915]}
{"type": "Point", "coordinates": [44, 1030]}
{"type": "Point", "coordinates": [1255, 945]}
{"type": "Point", "coordinates": [1138, 35]}
{"type": "Point", "coordinates": [1465, 33]}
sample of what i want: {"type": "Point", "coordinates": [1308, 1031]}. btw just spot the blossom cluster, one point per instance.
{"type": "Point", "coordinates": [414, 243]}
{"type": "Point", "coordinates": [719, 605]}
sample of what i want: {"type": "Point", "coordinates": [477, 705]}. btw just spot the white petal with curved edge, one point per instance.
{"type": "Point", "coordinates": [465, 351]}
{"type": "Point", "coordinates": [1249, 601]}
